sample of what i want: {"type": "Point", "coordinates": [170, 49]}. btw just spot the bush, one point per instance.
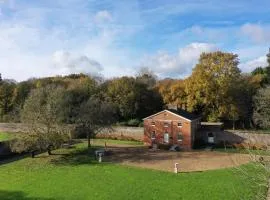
{"type": "Point", "coordinates": [141, 124]}
{"type": "Point", "coordinates": [133, 122]}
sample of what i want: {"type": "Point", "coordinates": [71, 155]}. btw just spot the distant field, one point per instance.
{"type": "Point", "coordinates": [72, 174]}
{"type": "Point", "coordinates": [5, 136]}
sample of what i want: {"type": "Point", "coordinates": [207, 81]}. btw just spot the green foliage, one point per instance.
{"type": "Point", "coordinates": [95, 115]}
{"type": "Point", "coordinates": [6, 98]}
{"type": "Point", "coordinates": [133, 122]}
{"type": "Point", "coordinates": [41, 114]}
{"type": "Point", "coordinates": [133, 97]}
{"type": "Point", "coordinates": [261, 114]}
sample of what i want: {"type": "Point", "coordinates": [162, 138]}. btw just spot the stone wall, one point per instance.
{"type": "Point", "coordinates": [243, 137]}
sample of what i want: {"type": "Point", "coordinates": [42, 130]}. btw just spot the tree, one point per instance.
{"type": "Point", "coordinates": [41, 114]}
{"type": "Point", "coordinates": [261, 102]}
{"type": "Point", "coordinates": [122, 92]}
{"type": "Point", "coordinates": [147, 77]}
{"type": "Point", "coordinates": [210, 86]}
{"type": "Point", "coordinates": [94, 116]}
{"type": "Point", "coordinates": [268, 67]}
{"type": "Point", "coordinates": [6, 97]}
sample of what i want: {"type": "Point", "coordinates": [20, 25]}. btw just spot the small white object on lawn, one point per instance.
{"type": "Point", "coordinates": [100, 157]}
{"type": "Point", "coordinates": [176, 168]}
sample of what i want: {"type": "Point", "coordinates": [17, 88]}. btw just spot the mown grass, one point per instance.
{"type": "Point", "coordinates": [5, 136]}
{"type": "Point", "coordinates": [72, 174]}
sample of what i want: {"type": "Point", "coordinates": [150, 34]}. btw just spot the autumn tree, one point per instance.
{"type": "Point", "coordinates": [210, 87]}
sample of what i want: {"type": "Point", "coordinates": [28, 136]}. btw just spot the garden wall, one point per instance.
{"type": "Point", "coordinates": [243, 137]}
{"type": "Point", "coordinates": [121, 132]}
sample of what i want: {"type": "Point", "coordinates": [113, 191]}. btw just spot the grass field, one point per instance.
{"type": "Point", "coordinates": [4, 136]}
{"type": "Point", "coordinates": [71, 174]}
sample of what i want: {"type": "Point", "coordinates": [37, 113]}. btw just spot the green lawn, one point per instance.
{"type": "Point", "coordinates": [4, 136]}
{"type": "Point", "coordinates": [77, 176]}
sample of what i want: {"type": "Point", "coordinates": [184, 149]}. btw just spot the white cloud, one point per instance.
{"type": "Point", "coordinates": [252, 64]}
{"type": "Point", "coordinates": [68, 63]}
{"type": "Point", "coordinates": [258, 33]}
{"type": "Point", "coordinates": [103, 16]}
{"type": "Point", "coordinates": [179, 65]}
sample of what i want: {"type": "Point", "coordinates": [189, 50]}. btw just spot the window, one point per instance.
{"type": "Point", "coordinates": [153, 123]}
{"type": "Point", "coordinates": [166, 124]}
{"type": "Point", "coordinates": [153, 135]}
{"type": "Point", "coordinates": [179, 124]}
{"type": "Point", "coordinates": [166, 137]}
{"type": "Point", "coordinates": [179, 136]}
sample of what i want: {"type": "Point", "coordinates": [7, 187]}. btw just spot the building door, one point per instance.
{"type": "Point", "coordinates": [210, 138]}
{"type": "Point", "coordinates": [166, 138]}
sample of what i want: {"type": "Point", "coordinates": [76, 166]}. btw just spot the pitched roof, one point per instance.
{"type": "Point", "coordinates": [184, 113]}
{"type": "Point", "coordinates": [181, 113]}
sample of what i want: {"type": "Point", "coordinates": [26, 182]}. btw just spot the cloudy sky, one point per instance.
{"type": "Point", "coordinates": [112, 38]}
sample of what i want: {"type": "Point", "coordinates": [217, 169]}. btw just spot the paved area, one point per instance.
{"type": "Point", "coordinates": [164, 160]}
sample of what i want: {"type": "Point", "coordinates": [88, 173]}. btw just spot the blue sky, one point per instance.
{"type": "Point", "coordinates": [113, 38]}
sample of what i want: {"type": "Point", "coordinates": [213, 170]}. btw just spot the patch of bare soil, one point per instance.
{"type": "Point", "coordinates": [165, 160]}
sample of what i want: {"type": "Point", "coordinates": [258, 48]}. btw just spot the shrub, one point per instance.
{"type": "Point", "coordinates": [133, 122]}
{"type": "Point", "coordinates": [141, 124]}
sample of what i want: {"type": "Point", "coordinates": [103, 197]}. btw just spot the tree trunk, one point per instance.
{"type": "Point", "coordinates": [33, 154]}
{"type": "Point", "coordinates": [233, 124]}
{"type": "Point", "coordinates": [88, 139]}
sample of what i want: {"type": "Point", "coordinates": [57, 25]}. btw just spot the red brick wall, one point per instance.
{"type": "Point", "coordinates": [172, 130]}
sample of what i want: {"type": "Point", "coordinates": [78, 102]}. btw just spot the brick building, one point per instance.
{"type": "Point", "coordinates": [171, 127]}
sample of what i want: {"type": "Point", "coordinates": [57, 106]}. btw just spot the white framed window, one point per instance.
{"type": "Point", "coordinates": [166, 124]}
{"type": "Point", "coordinates": [179, 124]}
{"type": "Point", "coordinates": [166, 137]}
{"type": "Point", "coordinates": [179, 137]}
{"type": "Point", "coordinates": [153, 135]}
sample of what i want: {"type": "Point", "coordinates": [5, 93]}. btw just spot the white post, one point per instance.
{"type": "Point", "coordinates": [100, 157]}
{"type": "Point", "coordinates": [176, 168]}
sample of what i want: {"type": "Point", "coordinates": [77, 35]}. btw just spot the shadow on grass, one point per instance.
{"type": "Point", "coordinates": [12, 158]}
{"type": "Point", "coordinates": [16, 195]}
{"type": "Point", "coordinates": [81, 156]}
